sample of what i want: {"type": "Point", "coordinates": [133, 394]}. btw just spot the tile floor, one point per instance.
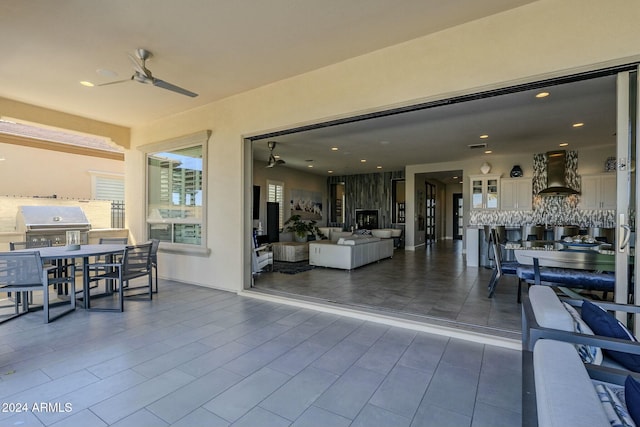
{"type": "Point", "coordinates": [201, 357]}
{"type": "Point", "coordinates": [432, 284]}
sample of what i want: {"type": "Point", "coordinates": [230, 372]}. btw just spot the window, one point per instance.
{"type": "Point", "coordinates": [107, 186]}
{"type": "Point", "coordinates": [275, 193]}
{"type": "Point", "coordinates": [176, 188]}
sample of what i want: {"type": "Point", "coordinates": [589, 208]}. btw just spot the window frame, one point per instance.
{"type": "Point", "coordinates": [197, 139]}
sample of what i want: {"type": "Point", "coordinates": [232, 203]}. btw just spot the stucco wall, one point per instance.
{"type": "Point", "coordinates": [543, 39]}
{"type": "Point", "coordinates": [50, 172]}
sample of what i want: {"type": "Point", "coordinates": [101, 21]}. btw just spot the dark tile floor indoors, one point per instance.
{"type": "Point", "coordinates": [431, 284]}
{"type": "Point", "coordinates": [196, 356]}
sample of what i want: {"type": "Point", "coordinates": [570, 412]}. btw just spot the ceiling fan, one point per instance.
{"type": "Point", "coordinates": [142, 74]}
{"type": "Point", "coordinates": [273, 161]}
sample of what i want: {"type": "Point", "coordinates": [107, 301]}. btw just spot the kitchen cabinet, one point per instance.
{"type": "Point", "coordinates": [485, 191]}
{"type": "Point", "coordinates": [598, 191]}
{"type": "Point", "coordinates": [516, 194]}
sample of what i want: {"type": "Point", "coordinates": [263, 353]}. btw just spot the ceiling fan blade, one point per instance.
{"type": "Point", "coordinates": [173, 88]}
{"type": "Point", "coordinates": [115, 82]}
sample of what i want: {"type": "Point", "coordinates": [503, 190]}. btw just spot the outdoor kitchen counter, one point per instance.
{"type": "Point", "coordinates": [94, 236]}
{"type": "Point", "coordinates": [9, 236]}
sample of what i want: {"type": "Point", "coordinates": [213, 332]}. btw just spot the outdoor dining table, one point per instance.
{"type": "Point", "coordinates": [61, 253]}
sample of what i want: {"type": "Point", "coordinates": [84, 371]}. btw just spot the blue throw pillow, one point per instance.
{"type": "Point", "coordinates": [603, 323]}
{"type": "Point", "coordinates": [632, 398]}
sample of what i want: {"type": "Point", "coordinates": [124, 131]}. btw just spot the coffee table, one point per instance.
{"type": "Point", "coordinates": [290, 251]}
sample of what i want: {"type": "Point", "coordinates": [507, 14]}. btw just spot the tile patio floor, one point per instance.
{"type": "Point", "coordinates": [201, 357]}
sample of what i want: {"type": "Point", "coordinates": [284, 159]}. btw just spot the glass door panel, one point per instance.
{"type": "Point", "coordinates": [492, 194]}
{"type": "Point", "coordinates": [627, 201]}
{"type": "Point", "coordinates": [477, 194]}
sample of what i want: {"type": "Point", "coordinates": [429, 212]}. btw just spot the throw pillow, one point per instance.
{"type": "Point", "coordinates": [603, 323]}
{"type": "Point", "coordinates": [588, 353]}
{"type": "Point", "coordinates": [632, 398]}
{"type": "Point", "coordinates": [614, 405]}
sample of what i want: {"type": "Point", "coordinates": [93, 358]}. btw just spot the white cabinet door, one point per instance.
{"type": "Point", "coordinates": [516, 194]}
{"type": "Point", "coordinates": [608, 192]}
{"type": "Point", "coordinates": [485, 191]}
{"type": "Point", "coordinates": [598, 192]}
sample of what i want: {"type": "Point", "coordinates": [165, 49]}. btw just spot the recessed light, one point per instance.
{"type": "Point", "coordinates": [334, 148]}
{"type": "Point", "coordinates": [455, 177]}
{"type": "Point", "coordinates": [309, 166]}
{"type": "Point", "coordinates": [485, 136]}
{"type": "Point", "coordinates": [378, 167]}
{"type": "Point", "coordinates": [87, 83]}
{"type": "Point", "coordinates": [563, 144]}
{"type": "Point", "coordinates": [488, 152]}
{"type": "Point", "coordinates": [577, 125]}
{"type": "Point", "coordinates": [329, 171]}
{"type": "Point", "coordinates": [542, 95]}
{"type": "Point", "coordinates": [363, 161]}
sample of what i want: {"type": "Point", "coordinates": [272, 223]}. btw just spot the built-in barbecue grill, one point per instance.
{"type": "Point", "coordinates": [52, 223]}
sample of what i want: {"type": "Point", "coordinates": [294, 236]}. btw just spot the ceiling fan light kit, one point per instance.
{"type": "Point", "coordinates": [142, 74]}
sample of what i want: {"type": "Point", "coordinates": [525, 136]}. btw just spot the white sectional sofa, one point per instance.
{"type": "Point", "coordinates": [349, 252]}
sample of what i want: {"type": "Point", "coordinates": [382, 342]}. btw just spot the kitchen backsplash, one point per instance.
{"type": "Point", "coordinates": [551, 210]}
{"type": "Point", "coordinates": [583, 218]}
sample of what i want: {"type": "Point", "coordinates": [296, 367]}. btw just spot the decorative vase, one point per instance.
{"type": "Point", "coordinates": [485, 168]}
{"type": "Point", "coordinates": [516, 172]}
{"type": "Point", "coordinates": [300, 237]}
{"type": "Point", "coordinates": [610, 164]}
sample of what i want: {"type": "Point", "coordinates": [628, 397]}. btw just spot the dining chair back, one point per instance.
{"type": "Point", "coordinates": [155, 245]}
{"type": "Point", "coordinates": [23, 272]}
{"type": "Point", "coordinates": [113, 240]}
{"type": "Point", "coordinates": [501, 267]}
{"type": "Point", "coordinates": [30, 244]}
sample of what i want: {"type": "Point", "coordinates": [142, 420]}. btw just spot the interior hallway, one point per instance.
{"type": "Point", "coordinates": [195, 356]}
{"type": "Point", "coordinates": [431, 284]}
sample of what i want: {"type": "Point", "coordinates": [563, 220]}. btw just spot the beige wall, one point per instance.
{"type": "Point", "coordinates": [543, 39]}
{"type": "Point", "coordinates": [50, 172]}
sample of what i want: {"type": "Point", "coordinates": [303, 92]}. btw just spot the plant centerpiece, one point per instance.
{"type": "Point", "coordinates": [301, 228]}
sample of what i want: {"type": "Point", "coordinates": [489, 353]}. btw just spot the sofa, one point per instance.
{"type": "Point", "coordinates": [563, 351]}
{"type": "Point", "coordinates": [568, 393]}
{"type": "Point", "coordinates": [349, 252]}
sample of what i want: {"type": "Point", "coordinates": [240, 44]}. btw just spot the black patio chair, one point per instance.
{"type": "Point", "coordinates": [23, 272]}
{"type": "Point", "coordinates": [135, 262]}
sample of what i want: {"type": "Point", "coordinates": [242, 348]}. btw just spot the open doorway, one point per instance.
{"type": "Point", "coordinates": [365, 154]}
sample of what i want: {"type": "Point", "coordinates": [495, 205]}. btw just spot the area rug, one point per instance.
{"type": "Point", "coordinates": [291, 267]}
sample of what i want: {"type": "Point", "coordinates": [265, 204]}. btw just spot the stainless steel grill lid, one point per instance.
{"type": "Point", "coordinates": [51, 217]}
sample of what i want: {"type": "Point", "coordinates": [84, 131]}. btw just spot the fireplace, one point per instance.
{"type": "Point", "coordinates": [367, 218]}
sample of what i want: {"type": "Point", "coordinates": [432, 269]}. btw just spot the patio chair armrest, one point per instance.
{"type": "Point", "coordinates": [103, 265]}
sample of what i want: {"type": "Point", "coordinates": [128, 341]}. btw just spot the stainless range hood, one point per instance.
{"type": "Point", "coordinates": [556, 178]}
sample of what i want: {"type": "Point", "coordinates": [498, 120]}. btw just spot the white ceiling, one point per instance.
{"type": "Point", "coordinates": [218, 48]}
{"type": "Point", "coordinates": [516, 123]}
{"type": "Point", "coordinates": [215, 48]}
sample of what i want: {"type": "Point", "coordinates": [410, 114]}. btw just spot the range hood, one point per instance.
{"type": "Point", "coordinates": [556, 178]}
